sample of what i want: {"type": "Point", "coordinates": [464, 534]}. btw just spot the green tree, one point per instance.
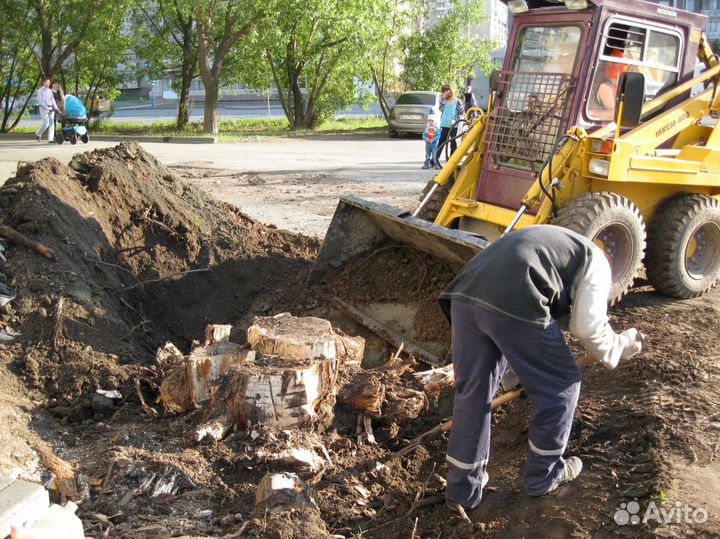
{"type": "Point", "coordinates": [221, 24]}
{"type": "Point", "coordinates": [18, 75]}
{"type": "Point", "coordinates": [447, 51]}
{"type": "Point", "coordinates": [169, 44]}
{"type": "Point", "coordinates": [400, 18]}
{"type": "Point", "coordinates": [52, 29]}
{"type": "Point", "coordinates": [314, 52]}
{"type": "Point", "coordinates": [93, 66]}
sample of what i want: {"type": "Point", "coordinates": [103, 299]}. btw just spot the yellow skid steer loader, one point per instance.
{"type": "Point", "coordinates": [598, 122]}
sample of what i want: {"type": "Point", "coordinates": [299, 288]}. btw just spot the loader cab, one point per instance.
{"type": "Point", "coordinates": [561, 70]}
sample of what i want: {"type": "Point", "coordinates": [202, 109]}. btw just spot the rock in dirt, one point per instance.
{"type": "Point", "coordinates": [285, 508]}
{"type": "Point", "coordinates": [279, 491]}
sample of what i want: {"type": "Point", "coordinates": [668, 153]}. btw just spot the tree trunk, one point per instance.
{"type": "Point", "coordinates": [187, 73]}
{"type": "Point", "coordinates": [380, 93]}
{"type": "Point", "coordinates": [183, 117]}
{"type": "Point", "coordinates": [211, 120]}
{"type": "Point", "coordinates": [298, 106]}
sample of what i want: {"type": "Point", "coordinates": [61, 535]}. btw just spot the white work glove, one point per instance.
{"type": "Point", "coordinates": [632, 339]}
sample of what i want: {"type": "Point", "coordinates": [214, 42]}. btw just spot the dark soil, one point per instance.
{"type": "Point", "coordinates": [126, 231]}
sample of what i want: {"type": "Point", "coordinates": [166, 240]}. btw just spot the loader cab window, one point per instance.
{"type": "Point", "coordinates": [533, 96]}
{"type": "Point", "coordinates": [547, 49]}
{"type": "Point", "coordinates": [654, 52]}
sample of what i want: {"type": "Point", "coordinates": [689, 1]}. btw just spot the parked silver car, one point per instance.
{"type": "Point", "coordinates": [410, 111]}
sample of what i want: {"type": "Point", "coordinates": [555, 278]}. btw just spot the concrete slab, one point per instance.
{"type": "Point", "coordinates": [20, 501]}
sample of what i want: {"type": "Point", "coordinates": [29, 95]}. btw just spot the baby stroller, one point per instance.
{"type": "Point", "coordinates": [73, 122]}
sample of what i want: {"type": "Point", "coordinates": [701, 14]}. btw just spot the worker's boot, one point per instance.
{"type": "Point", "coordinates": [573, 467]}
{"type": "Point", "coordinates": [457, 508]}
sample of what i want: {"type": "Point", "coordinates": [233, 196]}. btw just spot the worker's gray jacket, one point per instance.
{"type": "Point", "coordinates": [529, 275]}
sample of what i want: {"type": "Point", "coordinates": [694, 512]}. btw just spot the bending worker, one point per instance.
{"type": "Point", "coordinates": [503, 306]}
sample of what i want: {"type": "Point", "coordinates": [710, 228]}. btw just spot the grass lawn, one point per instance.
{"type": "Point", "coordinates": [236, 130]}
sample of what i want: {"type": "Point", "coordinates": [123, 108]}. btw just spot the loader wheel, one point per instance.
{"type": "Point", "coordinates": [435, 204]}
{"type": "Point", "coordinates": [683, 259]}
{"type": "Point", "coordinates": [615, 225]}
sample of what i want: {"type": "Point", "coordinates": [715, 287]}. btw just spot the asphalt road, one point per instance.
{"type": "Point", "coordinates": [375, 158]}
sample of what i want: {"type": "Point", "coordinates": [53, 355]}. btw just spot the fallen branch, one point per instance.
{"type": "Point", "coordinates": [160, 279]}
{"type": "Point", "coordinates": [22, 240]}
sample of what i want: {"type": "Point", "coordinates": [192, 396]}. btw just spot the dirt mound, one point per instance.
{"type": "Point", "coordinates": [142, 258]}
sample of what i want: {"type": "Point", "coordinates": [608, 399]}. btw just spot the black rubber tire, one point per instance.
{"type": "Point", "coordinates": [392, 133]}
{"type": "Point", "coordinates": [435, 204]}
{"type": "Point", "coordinates": [85, 139]}
{"type": "Point", "coordinates": [59, 138]}
{"type": "Point", "coordinates": [73, 139]}
{"type": "Point", "coordinates": [683, 259]}
{"type": "Point", "coordinates": [615, 224]}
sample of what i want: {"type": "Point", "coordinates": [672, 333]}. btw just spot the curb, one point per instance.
{"type": "Point", "coordinates": [122, 138]}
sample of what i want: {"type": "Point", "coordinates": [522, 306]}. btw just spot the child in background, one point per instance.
{"type": "Point", "coordinates": [431, 136]}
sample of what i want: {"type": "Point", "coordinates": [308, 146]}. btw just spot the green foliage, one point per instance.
{"type": "Point", "coordinates": [91, 71]}
{"type": "Point", "coordinates": [79, 42]}
{"type": "Point", "coordinates": [446, 52]}
{"type": "Point", "coordinates": [166, 38]}
{"type": "Point", "coordinates": [312, 52]}
{"type": "Point", "coordinates": [17, 75]}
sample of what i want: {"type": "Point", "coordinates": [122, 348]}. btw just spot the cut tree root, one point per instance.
{"type": "Point", "coordinates": [22, 240]}
{"type": "Point", "coordinates": [57, 333]}
{"type": "Point", "coordinates": [62, 470]}
{"type": "Point", "coordinates": [160, 279]}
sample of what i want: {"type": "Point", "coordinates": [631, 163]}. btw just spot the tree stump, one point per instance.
{"type": "Point", "coordinates": [189, 383]}
{"type": "Point", "coordinates": [282, 393]}
{"type": "Point", "coordinates": [215, 333]}
{"type": "Point", "coordinates": [292, 337]}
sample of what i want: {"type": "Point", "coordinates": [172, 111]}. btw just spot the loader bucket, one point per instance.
{"type": "Point", "coordinates": [360, 229]}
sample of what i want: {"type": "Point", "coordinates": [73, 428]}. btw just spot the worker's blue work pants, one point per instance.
{"type": "Point", "coordinates": [550, 376]}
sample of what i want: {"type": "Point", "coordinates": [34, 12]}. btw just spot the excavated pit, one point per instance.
{"type": "Point", "coordinates": [143, 258]}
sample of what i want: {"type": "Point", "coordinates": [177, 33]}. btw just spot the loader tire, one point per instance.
{"type": "Point", "coordinates": [683, 259]}
{"type": "Point", "coordinates": [615, 225]}
{"type": "Point", "coordinates": [435, 204]}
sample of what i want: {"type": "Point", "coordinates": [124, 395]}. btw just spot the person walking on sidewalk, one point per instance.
{"type": "Point", "coordinates": [503, 306]}
{"type": "Point", "coordinates": [48, 107]}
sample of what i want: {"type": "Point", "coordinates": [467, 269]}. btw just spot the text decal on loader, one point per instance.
{"type": "Point", "coordinates": [665, 128]}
